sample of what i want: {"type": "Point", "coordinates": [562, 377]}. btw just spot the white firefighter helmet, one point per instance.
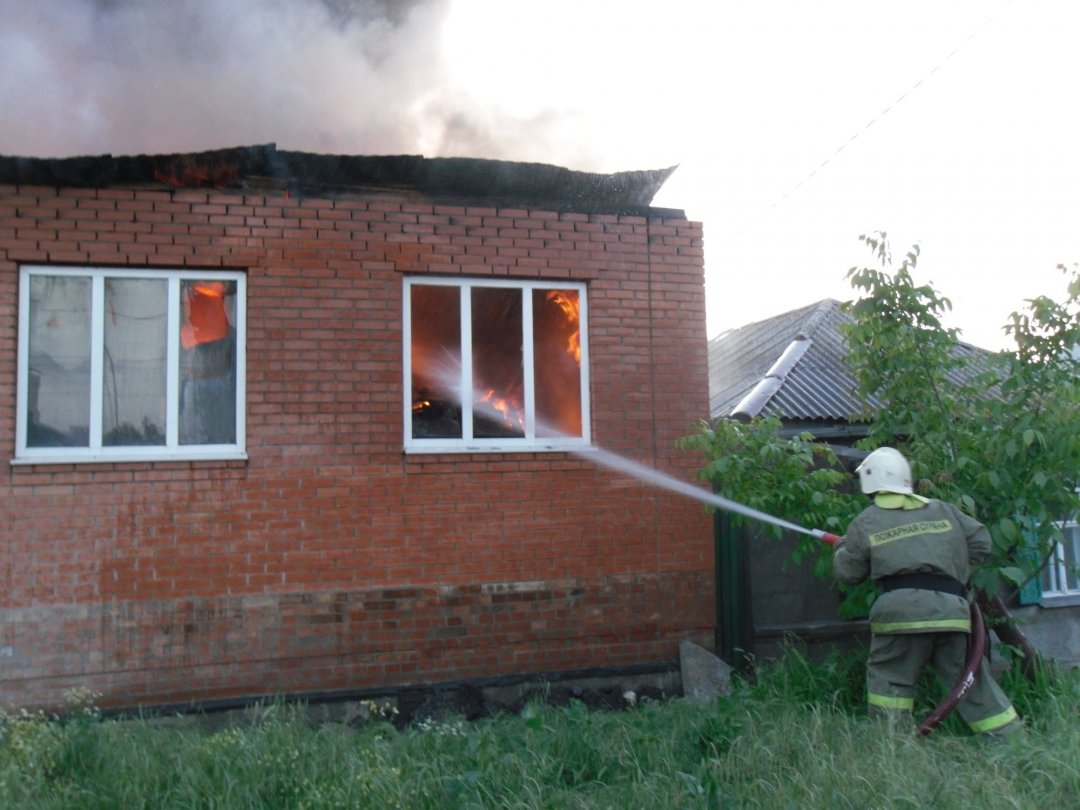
{"type": "Point", "coordinates": [885, 470]}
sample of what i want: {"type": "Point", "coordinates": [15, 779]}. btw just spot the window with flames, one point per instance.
{"type": "Point", "coordinates": [495, 365]}
{"type": "Point", "coordinates": [128, 364]}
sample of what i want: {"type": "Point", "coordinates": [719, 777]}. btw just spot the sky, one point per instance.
{"type": "Point", "coordinates": [795, 126]}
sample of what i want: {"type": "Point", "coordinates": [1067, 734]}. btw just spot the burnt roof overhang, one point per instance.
{"type": "Point", "coordinates": [266, 168]}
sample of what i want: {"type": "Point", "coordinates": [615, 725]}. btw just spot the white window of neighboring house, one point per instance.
{"type": "Point", "coordinates": [121, 364]}
{"type": "Point", "coordinates": [1060, 578]}
{"type": "Point", "coordinates": [495, 365]}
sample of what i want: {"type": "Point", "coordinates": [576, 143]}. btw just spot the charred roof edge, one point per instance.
{"type": "Point", "coordinates": [308, 174]}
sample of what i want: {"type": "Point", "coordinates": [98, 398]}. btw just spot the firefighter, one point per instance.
{"type": "Point", "coordinates": [921, 552]}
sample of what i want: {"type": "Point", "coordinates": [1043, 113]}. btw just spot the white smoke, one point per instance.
{"type": "Point", "coordinates": [153, 76]}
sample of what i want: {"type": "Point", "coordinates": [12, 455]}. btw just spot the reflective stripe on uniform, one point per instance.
{"type": "Point", "coordinates": [903, 704]}
{"type": "Point", "coordinates": [994, 722]}
{"type": "Point", "coordinates": [910, 530]}
{"type": "Point", "coordinates": [963, 625]}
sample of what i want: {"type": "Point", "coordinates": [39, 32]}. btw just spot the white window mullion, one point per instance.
{"type": "Point", "coordinates": [406, 364]}
{"type": "Point", "coordinates": [22, 395]}
{"type": "Point", "coordinates": [583, 371]}
{"type": "Point", "coordinates": [1055, 570]}
{"type": "Point", "coordinates": [466, 363]}
{"type": "Point", "coordinates": [241, 365]}
{"type": "Point", "coordinates": [528, 362]}
{"type": "Point", "coordinates": [172, 365]}
{"type": "Point", "coordinates": [97, 359]}
{"type": "Point", "coordinates": [1070, 556]}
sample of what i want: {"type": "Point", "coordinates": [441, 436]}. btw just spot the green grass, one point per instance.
{"type": "Point", "coordinates": [797, 738]}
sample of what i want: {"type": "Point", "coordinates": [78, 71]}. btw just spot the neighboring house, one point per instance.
{"type": "Point", "coordinates": [283, 423]}
{"type": "Point", "coordinates": [794, 367]}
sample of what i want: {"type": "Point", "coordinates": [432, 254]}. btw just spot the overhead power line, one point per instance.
{"type": "Point", "coordinates": [889, 108]}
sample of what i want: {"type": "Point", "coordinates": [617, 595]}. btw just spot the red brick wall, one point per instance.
{"type": "Point", "coordinates": [329, 560]}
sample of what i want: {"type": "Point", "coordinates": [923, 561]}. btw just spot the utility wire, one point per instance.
{"type": "Point", "coordinates": [889, 108]}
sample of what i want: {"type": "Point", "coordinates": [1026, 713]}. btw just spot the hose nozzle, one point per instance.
{"type": "Point", "coordinates": [825, 537]}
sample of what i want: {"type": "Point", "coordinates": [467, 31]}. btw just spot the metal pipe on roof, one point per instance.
{"type": "Point", "coordinates": [761, 393]}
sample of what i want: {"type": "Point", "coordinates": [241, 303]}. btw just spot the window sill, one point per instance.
{"type": "Point", "coordinates": [129, 458]}
{"type": "Point", "coordinates": [496, 447]}
{"type": "Point", "coordinates": [1060, 600]}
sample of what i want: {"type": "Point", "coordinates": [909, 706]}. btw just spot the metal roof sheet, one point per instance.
{"type": "Point", "coordinates": [793, 365]}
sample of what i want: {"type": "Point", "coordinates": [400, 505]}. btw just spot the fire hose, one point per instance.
{"type": "Point", "coordinates": [976, 649]}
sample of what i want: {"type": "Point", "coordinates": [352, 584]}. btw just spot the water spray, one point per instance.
{"type": "Point", "coordinates": [648, 474]}
{"type": "Point", "coordinates": [449, 375]}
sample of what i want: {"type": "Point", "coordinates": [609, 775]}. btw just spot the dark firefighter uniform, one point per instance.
{"type": "Point", "coordinates": [921, 552]}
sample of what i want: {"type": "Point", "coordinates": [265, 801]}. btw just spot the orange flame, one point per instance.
{"type": "Point", "coordinates": [503, 406]}
{"type": "Point", "coordinates": [205, 319]}
{"type": "Point", "coordinates": [570, 304]}
{"type": "Point", "coordinates": [191, 172]}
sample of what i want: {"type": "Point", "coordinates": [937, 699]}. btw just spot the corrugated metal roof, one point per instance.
{"type": "Point", "coordinates": [793, 366]}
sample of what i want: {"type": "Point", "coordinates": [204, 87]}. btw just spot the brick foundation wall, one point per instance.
{"type": "Point", "coordinates": [329, 559]}
{"type": "Point", "coordinates": [209, 648]}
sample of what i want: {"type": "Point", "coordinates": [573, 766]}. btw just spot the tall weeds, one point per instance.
{"type": "Point", "coordinates": [794, 737]}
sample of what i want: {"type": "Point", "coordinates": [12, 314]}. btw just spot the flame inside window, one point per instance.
{"type": "Point", "coordinates": [570, 304]}
{"type": "Point", "coordinates": [205, 319]}
{"type": "Point", "coordinates": [557, 362]}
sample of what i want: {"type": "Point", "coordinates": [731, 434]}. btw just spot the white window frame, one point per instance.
{"type": "Point", "coordinates": [468, 444]}
{"type": "Point", "coordinates": [172, 450]}
{"type": "Point", "coordinates": [1056, 587]}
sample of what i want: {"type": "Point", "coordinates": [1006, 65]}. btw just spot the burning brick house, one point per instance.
{"type": "Point", "coordinates": [283, 423]}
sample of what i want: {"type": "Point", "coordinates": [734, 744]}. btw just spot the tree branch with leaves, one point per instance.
{"type": "Point", "coordinates": [996, 433]}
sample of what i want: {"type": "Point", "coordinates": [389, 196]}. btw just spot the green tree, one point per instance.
{"type": "Point", "coordinates": [998, 434]}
